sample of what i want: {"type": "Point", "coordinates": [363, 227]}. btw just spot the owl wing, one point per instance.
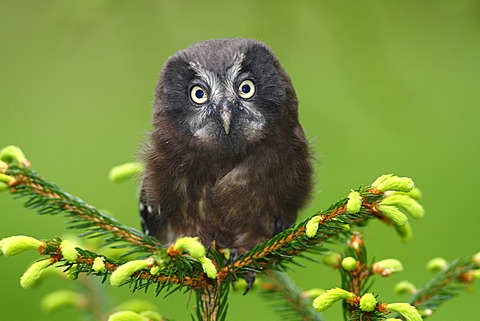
{"type": "Point", "coordinates": [150, 221]}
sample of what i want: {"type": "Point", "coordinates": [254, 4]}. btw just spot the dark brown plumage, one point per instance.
{"type": "Point", "coordinates": [227, 159]}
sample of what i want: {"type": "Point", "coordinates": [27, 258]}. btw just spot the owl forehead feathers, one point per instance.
{"type": "Point", "coordinates": [218, 55]}
{"type": "Point", "coordinates": [225, 57]}
{"type": "Point", "coordinates": [213, 79]}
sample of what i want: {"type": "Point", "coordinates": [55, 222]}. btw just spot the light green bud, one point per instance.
{"type": "Point", "coordinates": [6, 178]}
{"type": "Point", "coordinates": [126, 316]}
{"type": "Point", "coordinates": [331, 259]}
{"type": "Point", "coordinates": [426, 312]}
{"type": "Point", "coordinates": [124, 271]}
{"type": "Point", "coordinates": [406, 203]}
{"type": "Point", "coordinates": [151, 315]}
{"type": "Point", "coordinates": [241, 284]}
{"type": "Point", "coordinates": [381, 179]}
{"type": "Point", "coordinates": [368, 302]}
{"type": "Point", "coordinates": [69, 252]}
{"type": "Point", "coordinates": [125, 171]}
{"type": "Point", "coordinates": [208, 267]}
{"type": "Point", "coordinates": [476, 274]}
{"type": "Point", "coordinates": [135, 305]}
{"type": "Point", "coordinates": [72, 272]}
{"type": "Point", "coordinates": [312, 293]}
{"type": "Point", "coordinates": [329, 297]}
{"type": "Point", "coordinates": [388, 266]}
{"type": "Point", "coordinates": [437, 264]}
{"type": "Point", "coordinates": [404, 231]}
{"type": "Point", "coordinates": [312, 226]}
{"type": "Point", "coordinates": [99, 264]}
{"type": "Point", "coordinates": [62, 298]}
{"type": "Point", "coordinates": [190, 245]}
{"type": "Point", "coordinates": [349, 263]}
{"type": "Point", "coordinates": [226, 253]}
{"type": "Point", "coordinates": [17, 244]}
{"type": "Point", "coordinates": [12, 154]}
{"type": "Point", "coordinates": [354, 203]}
{"type": "Point", "coordinates": [155, 270]}
{"type": "Point", "coordinates": [405, 287]}
{"type": "Point", "coordinates": [409, 312]}
{"type": "Point", "coordinates": [33, 273]}
{"type": "Point", "coordinates": [3, 187]}
{"type": "Point", "coordinates": [476, 258]}
{"type": "Point", "coordinates": [390, 182]}
{"type": "Point", "coordinates": [394, 214]}
{"type": "Point", "coordinates": [3, 166]}
{"type": "Point", "coordinates": [415, 193]}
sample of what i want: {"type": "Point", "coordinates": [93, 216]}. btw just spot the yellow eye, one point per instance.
{"type": "Point", "coordinates": [246, 89]}
{"type": "Point", "coordinates": [198, 95]}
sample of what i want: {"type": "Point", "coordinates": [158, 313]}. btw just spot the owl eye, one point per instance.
{"type": "Point", "coordinates": [198, 95]}
{"type": "Point", "coordinates": [246, 89]}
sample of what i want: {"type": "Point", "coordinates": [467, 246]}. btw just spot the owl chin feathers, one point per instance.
{"type": "Point", "coordinates": [227, 159]}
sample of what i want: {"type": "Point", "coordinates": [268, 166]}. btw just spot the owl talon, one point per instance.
{"type": "Point", "coordinates": [233, 255]}
{"type": "Point", "coordinates": [250, 279]}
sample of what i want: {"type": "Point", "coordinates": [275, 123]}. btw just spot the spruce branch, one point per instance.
{"type": "Point", "coordinates": [280, 289]}
{"type": "Point", "coordinates": [446, 284]}
{"type": "Point", "coordinates": [358, 304]}
{"type": "Point", "coordinates": [160, 269]}
{"type": "Point", "coordinates": [333, 225]}
{"type": "Point", "coordinates": [48, 198]}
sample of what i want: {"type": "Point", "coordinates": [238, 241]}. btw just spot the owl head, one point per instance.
{"type": "Point", "coordinates": [224, 94]}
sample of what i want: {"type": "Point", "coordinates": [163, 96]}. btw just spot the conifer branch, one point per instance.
{"type": "Point", "coordinates": [181, 271]}
{"type": "Point", "coordinates": [334, 225]}
{"type": "Point", "coordinates": [277, 286]}
{"type": "Point", "coordinates": [48, 198]}
{"type": "Point", "coordinates": [445, 284]}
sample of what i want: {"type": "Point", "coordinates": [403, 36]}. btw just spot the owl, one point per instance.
{"type": "Point", "coordinates": [227, 159]}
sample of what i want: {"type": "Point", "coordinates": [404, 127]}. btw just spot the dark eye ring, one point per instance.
{"type": "Point", "coordinates": [246, 89]}
{"type": "Point", "coordinates": [198, 95]}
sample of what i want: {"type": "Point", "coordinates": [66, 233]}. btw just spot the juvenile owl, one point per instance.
{"type": "Point", "coordinates": [227, 159]}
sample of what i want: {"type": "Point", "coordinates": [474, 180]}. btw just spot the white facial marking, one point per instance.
{"type": "Point", "coordinates": [210, 78]}
{"type": "Point", "coordinates": [232, 74]}
{"type": "Point", "coordinates": [257, 122]}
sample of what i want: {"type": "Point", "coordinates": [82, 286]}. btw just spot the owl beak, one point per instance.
{"type": "Point", "coordinates": [226, 121]}
{"type": "Point", "coordinates": [225, 112]}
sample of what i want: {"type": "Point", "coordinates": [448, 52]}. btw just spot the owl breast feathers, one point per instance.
{"type": "Point", "coordinates": [227, 159]}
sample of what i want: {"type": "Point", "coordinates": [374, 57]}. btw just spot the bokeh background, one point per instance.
{"type": "Point", "coordinates": [384, 86]}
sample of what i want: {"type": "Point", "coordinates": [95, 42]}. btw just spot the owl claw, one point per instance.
{"type": "Point", "coordinates": [233, 255]}
{"type": "Point", "coordinates": [250, 278]}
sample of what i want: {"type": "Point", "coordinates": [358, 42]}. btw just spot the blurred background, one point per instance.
{"type": "Point", "coordinates": [384, 87]}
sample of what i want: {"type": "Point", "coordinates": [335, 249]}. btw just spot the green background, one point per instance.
{"type": "Point", "coordinates": [384, 86]}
